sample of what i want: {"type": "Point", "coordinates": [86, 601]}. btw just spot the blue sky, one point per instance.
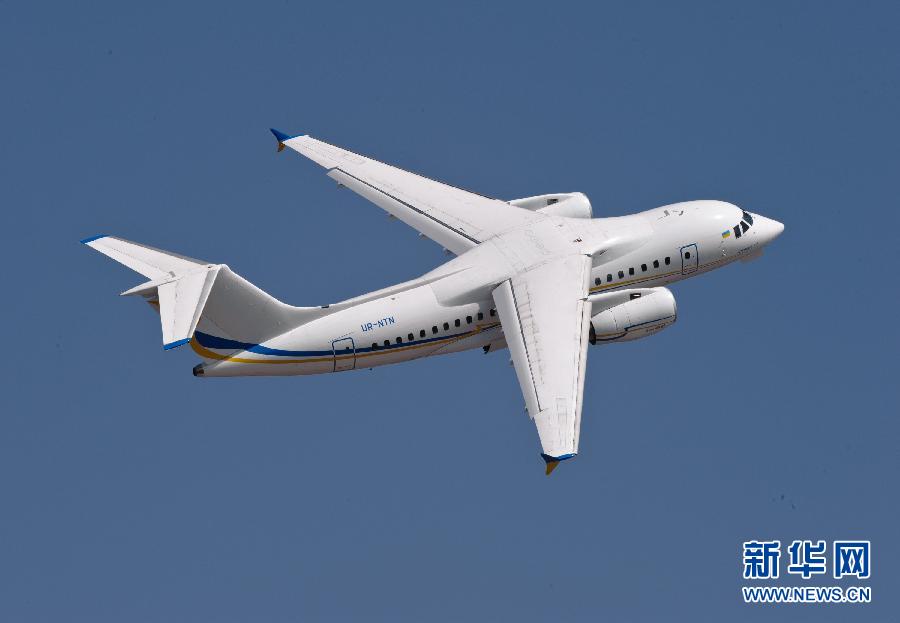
{"type": "Point", "coordinates": [133, 491]}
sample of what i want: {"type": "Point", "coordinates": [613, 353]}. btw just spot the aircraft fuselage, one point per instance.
{"type": "Point", "coordinates": [452, 310]}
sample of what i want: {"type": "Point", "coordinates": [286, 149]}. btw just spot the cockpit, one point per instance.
{"type": "Point", "coordinates": [741, 228]}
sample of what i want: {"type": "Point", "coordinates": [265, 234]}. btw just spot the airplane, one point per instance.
{"type": "Point", "coordinates": [539, 275]}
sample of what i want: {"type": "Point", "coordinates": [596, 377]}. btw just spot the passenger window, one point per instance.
{"type": "Point", "coordinates": [687, 255]}
{"type": "Point", "coordinates": [643, 268]}
{"type": "Point", "coordinates": [374, 345]}
{"type": "Point", "coordinates": [608, 278]}
{"type": "Point", "coordinates": [399, 340]}
{"type": "Point", "coordinates": [597, 281]}
{"type": "Point", "coordinates": [422, 333]}
{"type": "Point", "coordinates": [668, 261]}
{"type": "Point", "coordinates": [434, 330]}
{"type": "Point", "coordinates": [446, 326]}
{"type": "Point", "coordinates": [631, 270]}
{"type": "Point", "coordinates": [480, 316]}
{"type": "Point", "coordinates": [410, 337]}
{"type": "Point", "coordinates": [387, 342]}
{"type": "Point", "coordinates": [468, 319]}
{"type": "Point", "coordinates": [456, 322]}
{"type": "Point", "coordinates": [621, 274]}
{"type": "Point", "coordinates": [493, 312]}
{"type": "Point", "coordinates": [655, 263]}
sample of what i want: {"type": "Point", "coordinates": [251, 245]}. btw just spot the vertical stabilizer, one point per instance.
{"type": "Point", "coordinates": [192, 295]}
{"type": "Point", "coordinates": [181, 303]}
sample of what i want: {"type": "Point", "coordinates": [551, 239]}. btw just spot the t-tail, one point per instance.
{"type": "Point", "coordinates": [200, 299]}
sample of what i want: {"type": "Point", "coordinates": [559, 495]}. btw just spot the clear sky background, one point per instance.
{"type": "Point", "coordinates": [132, 491]}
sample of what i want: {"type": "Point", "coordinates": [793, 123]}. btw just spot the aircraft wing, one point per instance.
{"type": "Point", "coordinates": [455, 218]}
{"type": "Point", "coordinates": [545, 318]}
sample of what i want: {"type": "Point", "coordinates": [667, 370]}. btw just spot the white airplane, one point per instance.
{"type": "Point", "coordinates": [538, 275]}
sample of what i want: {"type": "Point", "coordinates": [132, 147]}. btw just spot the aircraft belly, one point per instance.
{"type": "Point", "coordinates": [375, 333]}
{"type": "Point", "coordinates": [478, 340]}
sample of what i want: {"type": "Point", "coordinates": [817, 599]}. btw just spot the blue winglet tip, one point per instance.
{"type": "Point", "coordinates": [556, 459]}
{"type": "Point", "coordinates": [92, 238]}
{"type": "Point", "coordinates": [176, 344]}
{"type": "Point", "coordinates": [553, 461]}
{"type": "Point", "coordinates": [281, 136]}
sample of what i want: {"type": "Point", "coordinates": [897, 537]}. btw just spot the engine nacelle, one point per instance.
{"type": "Point", "coordinates": [631, 314]}
{"type": "Point", "coordinates": [572, 205]}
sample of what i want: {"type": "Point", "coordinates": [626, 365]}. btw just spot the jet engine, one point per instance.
{"type": "Point", "coordinates": [572, 205]}
{"type": "Point", "coordinates": [631, 314]}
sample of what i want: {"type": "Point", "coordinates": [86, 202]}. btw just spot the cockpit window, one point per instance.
{"type": "Point", "coordinates": [741, 228]}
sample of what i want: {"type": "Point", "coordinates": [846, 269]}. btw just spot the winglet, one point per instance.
{"type": "Point", "coordinates": [92, 238]}
{"type": "Point", "coordinates": [176, 344]}
{"type": "Point", "coordinates": [553, 461]}
{"type": "Point", "coordinates": [281, 137]}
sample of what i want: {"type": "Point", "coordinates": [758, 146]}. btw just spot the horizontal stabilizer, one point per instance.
{"type": "Point", "coordinates": [178, 285]}
{"type": "Point", "coordinates": [151, 263]}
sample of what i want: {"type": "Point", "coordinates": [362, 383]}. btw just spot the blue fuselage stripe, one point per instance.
{"type": "Point", "coordinates": [221, 343]}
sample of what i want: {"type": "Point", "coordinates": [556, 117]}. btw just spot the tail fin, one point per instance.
{"type": "Point", "coordinates": [192, 294]}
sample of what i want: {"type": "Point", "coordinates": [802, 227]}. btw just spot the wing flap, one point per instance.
{"type": "Point", "coordinates": [452, 239]}
{"type": "Point", "coordinates": [453, 217]}
{"type": "Point", "coordinates": [545, 320]}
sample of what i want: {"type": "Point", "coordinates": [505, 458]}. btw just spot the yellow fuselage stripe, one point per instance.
{"type": "Point", "coordinates": [205, 352]}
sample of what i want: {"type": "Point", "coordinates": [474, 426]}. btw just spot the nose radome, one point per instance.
{"type": "Point", "coordinates": [770, 229]}
{"type": "Point", "coordinates": [777, 228]}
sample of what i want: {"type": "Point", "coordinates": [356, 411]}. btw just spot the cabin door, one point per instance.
{"type": "Point", "coordinates": [690, 261]}
{"type": "Point", "coordinates": [344, 354]}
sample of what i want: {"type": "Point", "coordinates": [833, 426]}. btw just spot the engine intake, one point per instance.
{"type": "Point", "coordinates": [632, 314]}
{"type": "Point", "coordinates": [572, 205]}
